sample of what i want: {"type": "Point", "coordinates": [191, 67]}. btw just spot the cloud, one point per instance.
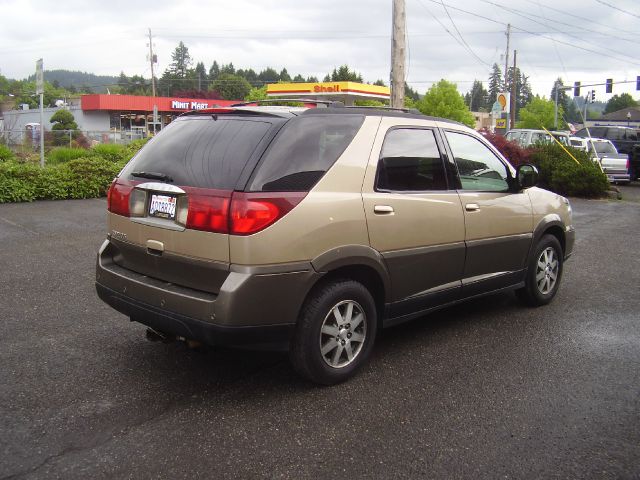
{"type": "Point", "coordinates": [312, 38]}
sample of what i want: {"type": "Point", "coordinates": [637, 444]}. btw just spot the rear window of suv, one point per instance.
{"type": "Point", "coordinates": [303, 151]}
{"type": "Point", "coordinates": [203, 151]}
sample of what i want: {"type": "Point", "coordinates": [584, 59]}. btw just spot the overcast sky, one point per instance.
{"type": "Point", "coordinates": [459, 40]}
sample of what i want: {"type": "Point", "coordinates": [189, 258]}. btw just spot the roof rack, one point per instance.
{"type": "Point", "coordinates": [326, 103]}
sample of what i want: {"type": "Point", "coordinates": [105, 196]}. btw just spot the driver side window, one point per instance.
{"type": "Point", "coordinates": [478, 167]}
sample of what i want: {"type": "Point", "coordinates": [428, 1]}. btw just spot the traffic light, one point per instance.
{"type": "Point", "coordinates": [609, 85]}
{"type": "Point", "coordinates": [576, 88]}
{"type": "Point", "coordinates": [593, 96]}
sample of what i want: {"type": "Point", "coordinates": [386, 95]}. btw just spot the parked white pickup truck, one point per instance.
{"type": "Point", "coordinates": [615, 165]}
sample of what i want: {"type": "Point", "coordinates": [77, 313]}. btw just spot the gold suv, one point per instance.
{"type": "Point", "coordinates": [312, 229]}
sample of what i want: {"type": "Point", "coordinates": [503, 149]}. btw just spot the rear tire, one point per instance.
{"type": "Point", "coordinates": [335, 332]}
{"type": "Point", "coordinates": [544, 273]}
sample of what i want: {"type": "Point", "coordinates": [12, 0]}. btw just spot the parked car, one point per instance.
{"type": "Point", "coordinates": [579, 143]}
{"type": "Point", "coordinates": [312, 229]}
{"type": "Point", "coordinates": [625, 139]}
{"type": "Point", "coordinates": [614, 165]}
{"type": "Point", "coordinates": [526, 137]}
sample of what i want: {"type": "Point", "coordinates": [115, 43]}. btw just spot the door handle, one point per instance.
{"type": "Point", "coordinates": [472, 207]}
{"type": "Point", "coordinates": [383, 209]}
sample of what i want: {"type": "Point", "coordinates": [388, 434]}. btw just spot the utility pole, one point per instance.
{"type": "Point", "coordinates": [506, 57]}
{"type": "Point", "coordinates": [514, 83]}
{"type": "Point", "coordinates": [506, 71]}
{"type": "Point", "coordinates": [398, 54]}
{"type": "Point", "coordinates": [152, 60]}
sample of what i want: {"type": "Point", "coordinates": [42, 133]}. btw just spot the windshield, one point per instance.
{"type": "Point", "coordinates": [603, 148]}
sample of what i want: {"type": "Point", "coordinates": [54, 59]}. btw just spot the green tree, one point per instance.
{"type": "Point", "coordinates": [201, 76]}
{"type": "Point", "coordinates": [214, 71]}
{"type": "Point", "coordinates": [312, 79]}
{"type": "Point", "coordinates": [496, 84]}
{"type": "Point", "coordinates": [268, 75]}
{"type": "Point", "coordinates": [343, 74]}
{"type": "Point", "coordinates": [539, 113]}
{"type": "Point", "coordinates": [180, 61]}
{"type": "Point", "coordinates": [571, 113]}
{"type": "Point", "coordinates": [63, 120]}
{"type": "Point", "coordinates": [299, 79]}
{"type": "Point", "coordinates": [284, 75]}
{"type": "Point", "coordinates": [524, 94]}
{"type": "Point", "coordinates": [444, 100]}
{"type": "Point", "coordinates": [618, 102]}
{"type": "Point", "coordinates": [231, 87]}
{"type": "Point", "coordinates": [256, 94]}
{"type": "Point", "coordinates": [477, 97]}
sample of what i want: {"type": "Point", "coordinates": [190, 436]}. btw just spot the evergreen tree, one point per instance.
{"type": "Point", "coordinates": [181, 61]}
{"type": "Point", "coordinates": [299, 79]}
{"type": "Point", "coordinates": [477, 97]}
{"type": "Point", "coordinates": [214, 71]}
{"type": "Point", "coordinates": [343, 74]}
{"type": "Point", "coordinates": [618, 102]}
{"type": "Point", "coordinates": [496, 84]}
{"type": "Point", "coordinates": [228, 69]}
{"type": "Point", "coordinates": [268, 75]}
{"type": "Point", "coordinates": [201, 76]}
{"type": "Point", "coordinates": [312, 79]}
{"type": "Point", "coordinates": [284, 76]}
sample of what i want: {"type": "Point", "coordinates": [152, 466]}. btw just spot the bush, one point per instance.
{"type": "Point", "coordinates": [78, 178]}
{"type": "Point", "coordinates": [511, 150]}
{"type": "Point", "coordinates": [68, 173]}
{"type": "Point", "coordinates": [6, 154]}
{"type": "Point", "coordinates": [64, 154]}
{"type": "Point", "coordinates": [110, 151]}
{"type": "Point", "coordinates": [561, 174]}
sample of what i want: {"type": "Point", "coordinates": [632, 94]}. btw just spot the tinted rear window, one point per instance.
{"type": "Point", "coordinates": [202, 152]}
{"type": "Point", "coordinates": [303, 151]}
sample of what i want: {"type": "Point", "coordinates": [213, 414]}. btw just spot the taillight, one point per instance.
{"type": "Point", "coordinates": [118, 197]}
{"type": "Point", "coordinates": [252, 212]}
{"type": "Point", "coordinates": [208, 210]}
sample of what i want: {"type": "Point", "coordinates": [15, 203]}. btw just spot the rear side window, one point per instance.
{"type": "Point", "coordinates": [202, 152]}
{"type": "Point", "coordinates": [303, 151]}
{"type": "Point", "coordinates": [410, 161]}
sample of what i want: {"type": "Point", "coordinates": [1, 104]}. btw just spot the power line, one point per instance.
{"type": "Point", "coordinates": [618, 8]}
{"type": "Point", "coordinates": [448, 31]}
{"type": "Point", "coordinates": [590, 20]}
{"type": "Point", "coordinates": [477, 15]}
{"type": "Point", "coordinates": [529, 16]}
{"type": "Point", "coordinates": [469, 49]}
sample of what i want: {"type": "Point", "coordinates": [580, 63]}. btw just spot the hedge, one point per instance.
{"type": "Point", "coordinates": [561, 174]}
{"type": "Point", "coordinates": [78, 178]}
{"type": "Point", "coordinates": [558, 171]}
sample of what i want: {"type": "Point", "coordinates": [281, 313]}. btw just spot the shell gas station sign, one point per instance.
{"type": "Point", "coordinates": [345, 92]}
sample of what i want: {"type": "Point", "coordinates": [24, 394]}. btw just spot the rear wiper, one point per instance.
{"type": "Point", "coordinates": [153, 176]}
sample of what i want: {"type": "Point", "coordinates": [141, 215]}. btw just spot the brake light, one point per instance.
{"type": "Point", "coordinates": [253, 212]}
{"type": "Point", "coordinates": [118, 197]}
{"type": "Point", "coordinates": [208, 210]}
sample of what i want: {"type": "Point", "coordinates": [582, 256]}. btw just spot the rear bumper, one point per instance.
{"type": "Point", "coordinates": [617, 177]}
{"type": "Point", "coordinates": [190, 328]}
{"type": "Point", "coordinates": [255, 305]}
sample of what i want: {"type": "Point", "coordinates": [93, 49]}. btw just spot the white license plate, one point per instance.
{"type": "Point", "coordinates": [163, 206]}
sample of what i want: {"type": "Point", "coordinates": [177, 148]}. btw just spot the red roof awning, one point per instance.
{"type": "Point", "coordinates": [145, 104]}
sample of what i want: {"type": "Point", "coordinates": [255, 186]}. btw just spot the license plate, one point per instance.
{"type": "Point", "coordinates": [162, 206]}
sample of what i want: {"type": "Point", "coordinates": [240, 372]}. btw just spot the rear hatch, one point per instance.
{"type": "Point", "coordinates": [169, 207]}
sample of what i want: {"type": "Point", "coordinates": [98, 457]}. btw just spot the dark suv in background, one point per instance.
{"type": "Point", "coordinates": [625, 139]}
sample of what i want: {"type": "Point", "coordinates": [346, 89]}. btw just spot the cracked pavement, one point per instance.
{"type": "Point", "coordinates": [486, 389]}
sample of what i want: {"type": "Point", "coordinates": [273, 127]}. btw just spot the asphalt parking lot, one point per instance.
{"type": "Point", "coordinates": [488, 389]}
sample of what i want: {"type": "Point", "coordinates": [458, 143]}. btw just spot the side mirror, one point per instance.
{"type": "Point", "coordinates": [526, 176]}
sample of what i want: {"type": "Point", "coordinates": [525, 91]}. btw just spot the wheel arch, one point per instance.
{"type": "Point", "coordinates": [360, 263]}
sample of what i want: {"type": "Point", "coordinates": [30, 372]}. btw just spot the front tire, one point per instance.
{"type": "Point", "coordinates": [335, 332]}
{"type": "Point", "coordinates": [544, 273]}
